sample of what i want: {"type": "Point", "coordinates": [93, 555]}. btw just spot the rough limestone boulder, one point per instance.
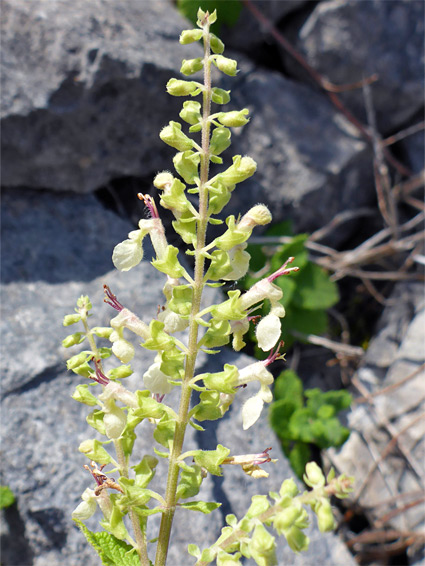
{"type": "Point", "coordinates": [388, 472]}
{"type": "Point", "coordinates": [347, 41]}
{"type": "Point", "coordinates": [84, 99]}
{"type": "Point", "coordinates": [83, 93]}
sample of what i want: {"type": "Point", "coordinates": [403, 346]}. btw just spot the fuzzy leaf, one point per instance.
{"type": "Point", "coordinates": [202, 506]}
{"type": "Point", "coordinates": [211, 459]}
{"type": "Point", "coordinates": [112, 551]}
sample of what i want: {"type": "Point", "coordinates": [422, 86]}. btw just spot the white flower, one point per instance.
{"type": "Point", "coordinates": [122, 349]}
{"type": "Point", "coordinates": [252, 408]}
{"type": "Point", "coordinates": [268, 332]}
{"type": "Point", "coordinates": [127, 254]}
{"type": "Point", "coordinates": [115, 390]}
{"type": "Point", "coordinates": [87, 507]}
{"type": "Point", "coordinates": [173, 322]}
{"type": "Point", "coordinates": [127, 319]}
{"type": "Point", "coordinates": [156, 381]}
{"type": "Point", "coordinates": [263, 289]}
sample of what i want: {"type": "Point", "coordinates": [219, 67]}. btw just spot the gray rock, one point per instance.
{"type": "Point", "coordinates": [247, 35]}
{"type": "Point", "coordinates": [90, 84]}
{"type": "Point", "coordinates": [396, 352]}
{"type": "Point", "coordinates": [65, 242]}
{"type": "Point", "coordinates": [83, 93]}
{"type": "Point", "coordinates": [311, 162]}
{"type": "Point", "coordinates": [346, 41]}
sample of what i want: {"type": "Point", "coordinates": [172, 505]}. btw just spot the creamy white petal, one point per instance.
{"type": "Point", "coordinates": [268, 332]}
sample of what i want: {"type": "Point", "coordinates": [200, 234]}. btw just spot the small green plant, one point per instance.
{"type": "Point", "coordinates": [301, 418]}
{"type": "Point", "coordinates": [6, 497]}
{"type": "Point", "coordinates": [118, 414]}
{"type": "Point", "coordinates": [307, 296]}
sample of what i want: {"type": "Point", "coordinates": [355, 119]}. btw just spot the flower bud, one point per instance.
{"type": "Point", "coordinates": [226, 65]}
{"type": "Point", "coordinates": [234, 119]}
{"type": "Point", "coordinates": [217, 46]}
{"type": "Point", "coordinates": [220, 140]}
{"type": "Point", "coordinates": [163, 180]}
{"type": "Point", "coordinates": [297, 540]}
{"type": "Point", "coordinates": [191, 112]}
{"type": "Point", "coordinates": [313, 476]}
{"type": "Point", "coordinates": [73, 339]}
{"type": "Point", "coordinates": [262, 546]}
{"type": "Point", "coordinates": [83, 395]}
{"type": "Point", "coordinates": [325, 518]}
{"type": "Point", "coordinates": [203, 17]}
{"type": "Point", "coordinates": [186, 164]}
{"type": "Point", "coordinates": [94, 450]}
{"type": "Point", "coordinates": [191, 66]}
{"type": "Point", "coordinates": [258, 215]}
{"type": "Point", "coordinates": [172, 135]}
{"type": "Point", "coordinates": [71, 319]}
{"type": "Point", "coordinates": [242, 168]}
{"type": "Point", "coordinates": [177, 87]}
{"type": "Point", "coordinates": [190, 36]}
{"type": "Point", "coordinates": [220, 96]}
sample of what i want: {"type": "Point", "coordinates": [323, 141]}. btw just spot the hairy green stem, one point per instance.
{"type": "Point", "coordinates": [181, 424]}
{"type": "Point", "coordinates": [141, 546]}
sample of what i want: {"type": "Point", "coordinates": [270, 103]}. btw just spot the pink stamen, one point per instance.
{"type": "Point", "coordinates": [159, 397]}
{"type": "Point", "coordinates": [111, 299]}
{"type": "Point", "coordinates": [100, 377]}
{"type": "Point", "coordinates": [282, 270]}
{"type": "Point", "coordinates": [263, 458]}
{"type": "Point", "coordinates": [273, 356]}
{"type": "Point", "coordinates": [150, 204]}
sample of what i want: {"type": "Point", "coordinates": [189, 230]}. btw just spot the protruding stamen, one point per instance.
{"type": "Point", "coordinates": [111, 299]}
{"type": "Point", "coordinates": [282, 270]}
{"type": "Point", "coordinates": [99, 376]}
{"type": "Point", "coordinates": [274, 355]}
{"type": "Point", "coordinates": [149, 203]}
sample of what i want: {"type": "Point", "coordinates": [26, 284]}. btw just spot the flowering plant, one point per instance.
{"type": "Point", "coordinates": [127, 502]}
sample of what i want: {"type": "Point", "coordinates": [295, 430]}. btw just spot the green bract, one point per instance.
{"type": "Point", "coordinates": [183, 326]}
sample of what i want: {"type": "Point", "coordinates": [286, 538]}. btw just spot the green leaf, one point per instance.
{"type": "Point", "coordinates": [202, 506]}
{"type": "Point", "coordinates": [299, 456]}
{"type": "Point", "coordinates": [290, 387]}
{"type": "Point", "coordinates": [208, 408]}
{"type": "Point", "coordinates": [211, 459]}
{"type": "Point", "coordinates": [164, 432]}
{"type": "Point", "coordinates": [190, 482]}
{"type": "Point", "coordinates": [304, 321]}
{"type": "Point", "coordinates": [112, 551]}
{"type": "Point", "coordinates": [339, 400]}
{"type": "Point", "coordinates": [280, 413]}
{"type": "Point", "coordinates": [145, 470]}
{"type": "Point", "coordinates": [314, 289]}
{"type": "Point", "coordinates": [6, 497]}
